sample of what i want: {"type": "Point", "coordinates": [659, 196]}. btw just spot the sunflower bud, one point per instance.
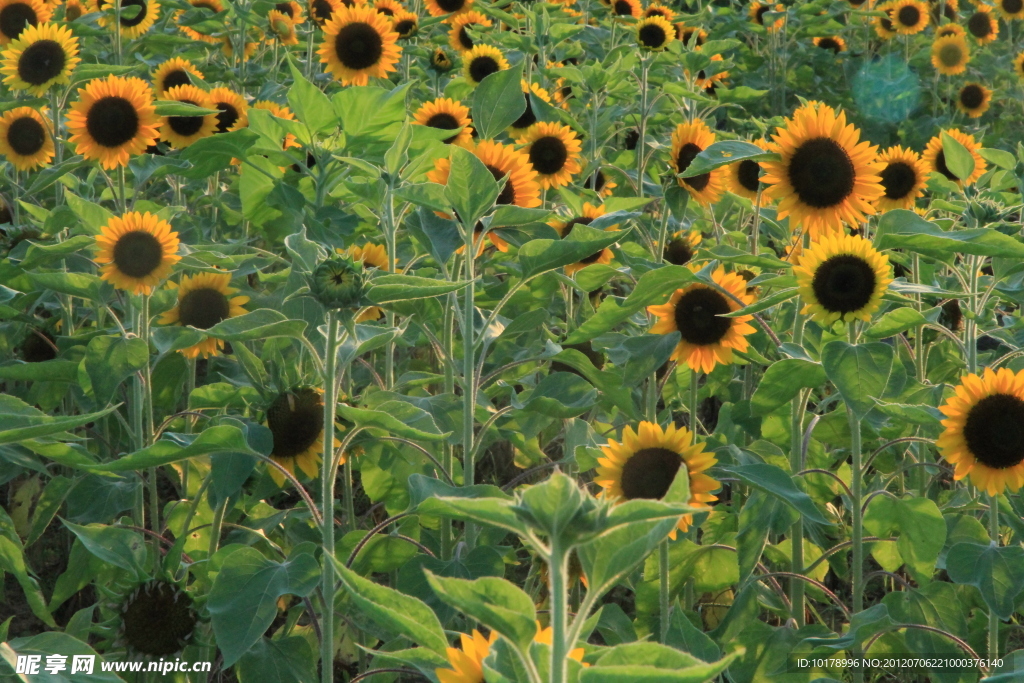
{"type": "Point", "coordinates": [337, 283]}
{"type": "Point", "coordinates": [983, 212]}
{"type": "Point", "coordinates": [440, 61]}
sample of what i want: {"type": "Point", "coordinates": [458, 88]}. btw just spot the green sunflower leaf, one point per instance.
{"type": "Point", "coordinates": [782, 381]}
{"type": "Point", "coordinates": [540, 256]}
{"type": "Point", "coordinates": [998, 572]}
{"type": "Point", "coordinates": [724, 153]}
{"type": "Point", "coordinates": [860, 372]}
{"type": "Point", "coordinates": [498, 101]}
{"type": "Point", "coordinates": [958, 158]}
{"type": "Point", "coordinates": [906, 230]}
{"type": "Point", "coordinates": [387, 289]}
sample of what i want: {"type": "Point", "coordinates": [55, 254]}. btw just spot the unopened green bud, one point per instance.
{"type": "Point", "coordinates": [337, 283]}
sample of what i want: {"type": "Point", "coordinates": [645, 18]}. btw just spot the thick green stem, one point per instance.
{"type": "Point", "coordinates": [469, 373]}
{"type": "Point", "coordinates": [856, 486]}
{"type": "Point", "coordinates": [692, 405]}
{"type": "Point", "coordinates": [448, 460]}
{"type": "Point", "coordinates": [663, 586]}
{"type": "Point", "coordinates": [641, 155]}
{"type": "Point", "coordinates": [389, 238]}
{"type": "Point", "coordinates": [993, 618]}
{"type": "Point", "coordinates": [216, 526]}
{"type": "Point", "coordinates": [327, 501]}
{"type": "Point", "coordinates": [147, 407]}
{"type": "Point", "coordinates": [796, 588]}
{"type": "Point", "coordinates": [971, 325]}
{"type": "Point", "coordinates": [135, 410]}
{"type": "Point", "coordinates": [557, 571]}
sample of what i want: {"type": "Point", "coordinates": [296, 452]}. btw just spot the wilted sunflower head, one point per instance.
{"type": "Point", "coordinates": [158, 619]}
{"type": "Point", "coordinates": [338, 283]}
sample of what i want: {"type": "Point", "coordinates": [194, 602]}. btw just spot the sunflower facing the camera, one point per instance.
{"type": "Point", "coordinates": [359, 42]}
{"type": "Point", "coordinates": [554, 151]}
{"type": "Point", "coordinates": [743, 178]}
{"type": "Point", "coordinates": [564, 228]}
{"type": "Point", "coordinates": [182, 131]}
{"type": "Point", "coordinates": [696, 312]}
{"type": "Point", "coordinates": [174, 72]}
{"type": "Point", "coordinates": [827, 176]}
{"type": "Point", "coordinates": [296, 422]}
{"type": "Point", "coordinates": [950, 55]}
{"type": "Point", "coordinates": [909, 17]}
{"type": "Point", "coordinates": [984, 430]}
{"type": "Point", "coordinates": [842, 277]}
{"type": "Point", "coordinates": [204, 299]}
{"type": "Point", "coordinates": [681, 247]}
{"type": "Point", "coordinates": [113, 119]}
{"type": "Point", "coordinates": [42, 56]}
{"type": "Point", "coordinates": [458, 36]}
{"type": "Point", "coordinates": [689, 140]}
{"type": "Point", "coordinates": [974, 100]}
{"type": "Point", "coordinates": [26, 138]}
{"type": "Point", "coordinates": [233, 110]}
{"type": "Point", "coordinates": [935, 157]}
{"type": "Point", "coordinates": [903, 178]}
{"type": "Point", "coordinates": [18, 15]}
{"type": "Point", "coordinates": [645, 464]}
{"type": "Point", "coordinates": [482, 61]}
{"type": "Point", "coordinates": [136, 251]}
{"type": "Point", "coordinates": [445, 113]}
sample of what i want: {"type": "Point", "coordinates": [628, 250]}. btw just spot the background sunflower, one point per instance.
{"type": "Point", "coordinates": [204, 299]}
{"type": "Point", "coordinates": [359, 42]}
{"type": "Point", "coordinates": [842, 277]}
{"type": "Point", "coordinates": [26, 138]}
{"type": "Point", "coordinates": [136, 251]}
{"type": "Point", "coordinates": [42, 56]}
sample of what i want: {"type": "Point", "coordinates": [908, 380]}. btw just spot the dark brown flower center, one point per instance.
{"type": "Point", "coordinates": [994, 431]}
{"type": "Point", "coordinates": [228, 115]}
{"type": "Point", "coordinates": [698, 316]}
{"type": "Point", "coordinates": [979, 25]}
{"type": "Point", "coordinates": [172, 79]}
{"type": "Point", "coordinates": [444, 121]}
{"type": "Point", "coordinates": [359, 46]}
{"type": "Point", "coordinates": [649, 473]}
{"type": "Point", "coordinates": [548, 155]}
{"type": "Point", "coordinates": [821, 173]}
{"type": "Point", "coordinates": [844, 283]}
{"type": "Point", "coordinates": [296, 420]}
{"type": "Point", "coordinates": [137, 253]}
{"type": "Point", "coordinates": [26, 136]}
{"type": "Point", "coordinates": [451, 5]}
{"type": "Point", "coordinates": [186, 126]}
{"type": "Point", "coordinates": [508, 193]}
{"type": "Point", "coordinates": [687, 153]}
{"type": "Point", "coordinates": [112, 121]}
{"type": "Point", "coordinates": [203, 308]}
{"type": "Point", "coordinates": [15, 18]}
{"type": "Point", "coordinates": [130, 21]}
{"type": "Point", "coordinates": [909, 16]}
{"type": "Point", "coordinates": [898, 179]}
{"type": "Point", "coordinates": [972, 96]}
{"type": "Point", "coordinates": [158, 619]}
{"type": "Point", "coordinates": [41, 61]}
{"type": "Point", "coordinates": [652, 36]}
{"type": "Point", "coordinates": [679, 251]}
{"type": "Point", "coordinates": [483, 66]}
{"type": "Point", "coordinates": [749, 174]}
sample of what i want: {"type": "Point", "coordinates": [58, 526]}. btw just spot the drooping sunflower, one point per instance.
{"type": "Point", "coordinates": [158, 619]}
{"type": "Point", "coordinates": [359, 42]}
{"type": "Point", "coordinates": [182, 131]}
{"type": "Point", "coordinates": [935, 157]}
{"type": "Point", "coordinates": [74, 9]}
{"type": "Point", "coordinates": [296, 422]}
{"type": "Point", "coordinates": [481, 62]}
{"type": "Point", "coordinates": [18, 15]}
{"type": "Point", "coordinates": [565, 226]}
{"type": "Point", "coordinates": [743, 178]}
{"type": "Point", "coordinates": [950, 30]}
{"type": "Point", "coordinates": [174, 72]}
{"type": "Point", "coordinates": [884, 27]}
{"type": "Point", "coordinates": [439, 8]}
{"type": "Point", "coordinates": [370, 256]}
{"type": "Point", "coordinates": [689, 140]}
{"type": "Point", "coordinates": [982, 25]}
{"type": "Point", "coordinates": [458, 36]}
{"type": "Point", "coordinates": [554, 151]}
{"type": "Point", "coordinates": [834, 43]}
{"type": "Point", "coordinates": [984, 430]}
{"type": "Point", "coordinates": [654, 33]}
{"type": "Point", "coordinates": [136, 251]}
{"type": "Point", "coordinates": [282, 28]}
{"type": "Point", "coordinates": [1011, 9]}
{"type": "Point", "coordinates": [42, 56]}
{"type": "Point", "coordinates": [950, 55]}
{"type": "Point", "coordinates": [204, 300]}
{"type": "Point", "coordinates": [656, 9]}
{"type": "Point", "coordinates": [646, 463]}
{"type": "Point", "coordinates": [909, 16]}
{"type": "Point", "coordinates": [446, 114]}
{"type": "Point", "coordinates": [681, 247]}
{"type": "Point", "coordinates": [26, 138]}
{"type": "Point", "coordinates": [696, 312]}
{"type": "Point", "coordinates": [113, 119]}
{"type": "Point", "coordinates": [974, 99]}
{"type": "Point", "coordinates": [903, 178]}
{"type": "Point", "coordinates": [467, 664]}
{"type": "Point", "coordinates": [826, 175]}
{"type": "Point", "coordinates": [406, 24]}
{"type": "Point", "coordinates": [757, 12]}
{"type": "Point", "coordinates": [842, 277]}
{"type": "Point", "coordinates": [291, 10]}
{"type": "Point", "coordinates": [322, 10]}
{"type": "Point", "coordinates": [210, 6]}
{"type": "Point", "coordinates": [234, 110]}
{"type": "Point", "coordinates": [441, 61]}
{"type": "Point", "coordinates": [528, 118]}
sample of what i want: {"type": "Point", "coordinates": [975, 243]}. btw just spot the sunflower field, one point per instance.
{"type": "Point", "coordinates": [511, 341]}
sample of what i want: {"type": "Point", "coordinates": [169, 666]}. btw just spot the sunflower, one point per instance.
{"type": "Point", "coordinates": [883, 23]}
{"type": "Point", "coordinates": [709, 83]}
{"type": "Point", "coordinates": [826, 176]}
{"type": "Point", "coordinates": [834, 43]}
{"type": "Point", "coordinates": [440, 61]}
{"type": "Point", "coordinates": [440, 8]}
{"type": "Point", "coordinates": [554, 151]}
{"type": "Point", "coordinates": [112, 119]}
{"type": "Point", "coordinates": [743, 177]}
{"type": "Point", "coordinates": [44, 55]}
{"type": "Point", "coordinates": [296, 422]}
{"type": "Point", "coordinates": [26, 138]}
{"type": "Point", "coordinates": [388, 8]}
{"type": "Point", "coordinates": [204, 300]}
{"type": "Point", "coordinates": [282, 28]}
{"type": "Point", "coordinates": [903, 178]}
{"type": "Point", "coordinates": [689, 140]}
{"type": "Point", "coordinates": [446, 114]}
{"type": "Point", "coordinates": [647, 461]}
{"type": "Point", "coordinates": [948, 8]}
{"type": "Point", "coordinates": [950, 30]}
{"type": "Point", "coordinates": [681, 247]}
{"type": "Point", "coordinates": [458, 36]}
{"type": "Point", "coordinates": [371, 256]}
{"type": "Point", "coordinates": [528, 118]}
{"type": "Point", "coordinates": [136, 251]}
{"type": "Point", "coordinates": [950, 55]}
{"type": "Point", "coordinates": [213, 7]}
{"type": "Point", "coordinates": [291, 10]}
{"type": "Point", "coordinates": [1011, 9]}
{"type": "Point", "coordinates": [74, 9]}
{"type": "Point", "coordinates": [565, 227]}
{"type": "Point", "coordinates": [687, 33]}
{"type": "Point", "coordinates": [322, 10]}
{"type": "Point", "coordinates": [656, 9]}
{"type": "Point", "coordinates": [757, 12]}
{"type": "Point", "coordinates": [935, 157]}
{"type": "Point", "coordinates": [696, 312]}
{"type": "Point", "coordinates": [406, 24]}
{"type": "Point", "coordinates": [1018, 65]}
{"type": "Point", "coordinates": [467, 664]}
{"type": "Point", "coordinates": [134, 25]}
{"type": "Point", "coordinates": [654, 33]}
{"type": "Point", "coordinates": [626, 8]}
{"type": "Point", "coordinates": [174, 72]}
{"type": "Point", "coordinates": [227, 43]}
{"type": "Point", "coordinates": [234, 110]}
{"type": "Point", "coordinates": [481, 62]}
{"type": "Point", "coordinates": [842, 277]}
{"type": "Point", "coordinates": [182, 131]}
{"type": "Point", "coordinates": [982, 25]}
{"type": "Point", "coordinates": [158, 619]}
{"type": "Point", "coordinates": [984, 430]}
{"type": "Point", "coordinates": [600, 182]}
{"type": "Point", "coordinates": [18, 15]}
{"type": "Point", "coordinates": [974, 100]}
{"type": "Point", "coordinates": [909, 16]}
{"type": "Point", "coordinates": [359, 42]}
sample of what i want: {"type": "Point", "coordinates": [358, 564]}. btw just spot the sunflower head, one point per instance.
{"type": "Point", "coordinates": [909, 16]}
{"type": "Point", "coordinates": [1011, 9]}
{"type": "Point", "coordinates": [974, 99]}
{"type": "Point", "coordinates": [950, 55]}
{"type": "Point", "coordinates": [158, 619]}
{"type": "Point", "coordinates": [446, 114]}
{"type": "Point", "coordinates": [338, 283]}
{"type": "Point", "coordinates": [528, 118]}
{"type": "Point", "coordinates": [113, 119]}
{"type": "Point", "coordinates": [482, 61]}
{"type": "Point", "coordinates": [982, 25]}
{"type": "Point", "coordinates": [74, 9]}
{"type": "Point", "coordinates": [654, 33]}
{"type": "Point", "coordinates": [441, 61]}
{"type": "Point", "coordinates": [204, 300]}
{"type": "Point", "coordinates": [42, 56]}
{"type": "Point", "coordinates": [554, 151]}
{"type": "Point", "coordinates": [626, 8]}
{"type": "Point", "coordinates": [233, 110]}
{"type": "Point", "coordinates": [18, 15]}
{"type": "Point", "coordinates": [834, 43]}
{"type": "Point", "coordinates": [440, 8]}
{"type": "Point", "coordinates": [842, 277]}
{"type": "Point", "coordinates": [984, 430]}
{"type": "Point", "coordinates": [296, 422]}
{"type": "Point", "coordinates": [647, 461]}
{"type": "Point", "coordinates": [903, 178]}
{"type": "Point", "coordinates": [174, 72]}
{"type": "Point", "coordinates": [689, 140]}
{"type": "Point", "coordinates": [322, 10]}
{"type": "Point", "coordinates": [467, 664]}
{"type": "Point", "coordinates": [359, 42]}
{"type": "Point", "coordinates": [935, 157]}
{"type": "Point", "coordinates": [136, 251]}
{"type": "Point", "coordinates": [281, 27]}
{"type": "Point", "coordinates": [462, 24]}
{"type": "Point", "coordinates": [681, 247]}
{"type": "Point", "coordinates": [26, 138]}
{"type": "Point", "coordinates": [182, 131]}
{"type": "Point", "coordinates": [406, 24]}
